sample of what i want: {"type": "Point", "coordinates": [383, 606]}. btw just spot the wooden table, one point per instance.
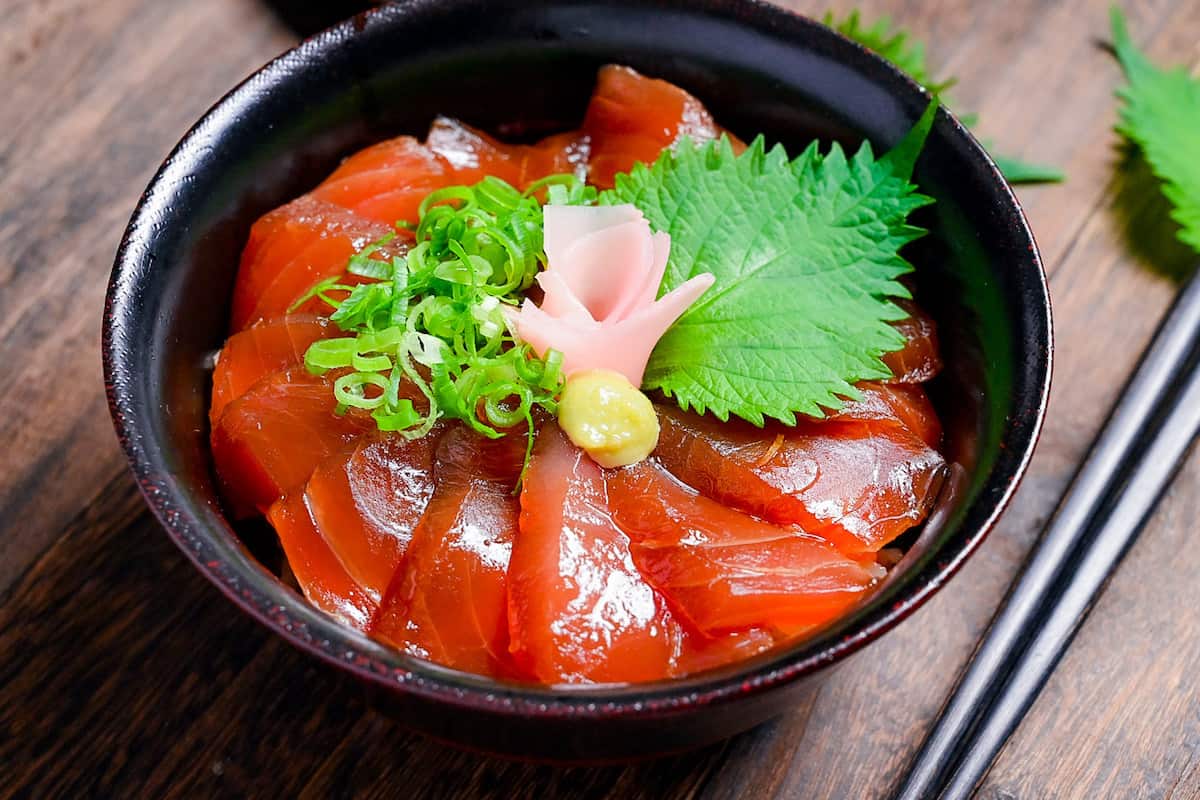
{"type": "Point", "coordinates": [123, 673]}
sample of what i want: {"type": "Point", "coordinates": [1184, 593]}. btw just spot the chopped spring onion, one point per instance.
{"type": "Point", "coordinates": [428, 339]}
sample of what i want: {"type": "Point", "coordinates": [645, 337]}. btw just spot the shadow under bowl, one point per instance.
{"type": "Point", "coordinates": [521, 68]}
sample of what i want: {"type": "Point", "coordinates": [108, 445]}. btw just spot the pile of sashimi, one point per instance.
{"type": "Point", "coordinates": [628, 403]}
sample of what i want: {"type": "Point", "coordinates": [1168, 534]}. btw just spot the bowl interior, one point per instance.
{"type": "Point", "coordinates": [520, 70]}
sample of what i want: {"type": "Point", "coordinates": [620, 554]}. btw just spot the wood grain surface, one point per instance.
{"type": "Point", "coordinates": [124, 674]}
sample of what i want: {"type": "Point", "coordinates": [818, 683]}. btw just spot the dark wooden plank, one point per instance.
{"type": "Point", "coordinates": [95, 96]}
{"type": "Point", "coordinates": [123, 674]}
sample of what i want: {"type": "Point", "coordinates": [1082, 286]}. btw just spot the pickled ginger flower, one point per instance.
{"type": "Point", "coordinates": [599, 308]}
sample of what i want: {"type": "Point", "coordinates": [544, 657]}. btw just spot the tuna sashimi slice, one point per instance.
{"type": "Point", "coordinates": [473, 154]}
{"type": "Point", "coordinates": [578, 610]}
{"type": "Point", "coordinates": [388, 181]}
{"type": "Point", "coordinates": [719, 460]}
{"type": "Point", "coordinates": [265, 347]}
{"type": "Point", "coordinates": [699, 653]}
{"type": "Point", "coordinates": [447, 602]}
{"type": "Point", "coordinates": [864, 487]}
{"type": "Point", "coordinates": [885, 406]}
{"type": "Point", "coordinates": [857, 482]}
{"type": "Point", "coordinates": [366, 503]}
{"type": "Point", "coordinates": [402, 155]}
{"type": "Point", "coordinates": [633, 118]}
{"type": "Point", "coordinates": [269, 440]}
{"type": "Point", "coordinates": [293, 248]}
{"type": "Point", "coordinates": [321, 576]}
{"type": "Point", "coordinates": [325, 258]}
{"type": "Point", "coordinates": [722, 570]}
{"type": "Point", "coordinates": [562, 153]}
{"type": "Point", "coordinates": [401, 204]}
{"type": "Point", "coordinates": [920, 358]}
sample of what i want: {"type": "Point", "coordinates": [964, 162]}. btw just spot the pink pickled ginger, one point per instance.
{"type": "Point", "coordinates": [599, 308]}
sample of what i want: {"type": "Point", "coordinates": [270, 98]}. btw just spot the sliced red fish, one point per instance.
{"type": "Point", "coordinates": [320, 574]}
{"type": "Point", "coordinates": [473, 154]}
{"type": "Point", "coordinates": [633, 118]}
{"type": "Point", "coordinates": [265, 347]}
{"type": "Point", "coordinates": [578, 610]}
{"type": "Point", "coordinates": [367, 502]}
{"type": "Point", "coordinates": [448, 601]}
{"type": "Point", "coordinates": [269, 440]}
{"type": "Point", "coordinates": [719, 460]}
{"type": "Point", "coordinates": [404, 155]}
{"type": "Point", "coordinates": [562, 153]}
{"type": "Point", "coordinates": [722, 570]}
{"type": "Point", "coordinates": [388, 181]}
{"type": "Point", "coordinates": [865, 487]}
{"type": "Point", "coordinates": [699, 653]}
{"type": "Point", "coordinates": [859, 484]}
{"type": "Point", "coordinates": [920, 359]}
{"type": "Point", "coordinates": [292, 249]}
{"type": "Point", "coordinates": [886, 405]}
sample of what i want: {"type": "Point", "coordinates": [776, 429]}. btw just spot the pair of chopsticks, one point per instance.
{"type": "Point", "coordinates": [1130, 464]}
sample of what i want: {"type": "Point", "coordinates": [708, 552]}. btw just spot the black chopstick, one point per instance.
{"type": "Point", "coordinates": [1114, 492]}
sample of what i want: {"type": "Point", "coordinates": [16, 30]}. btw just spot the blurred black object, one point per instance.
{"type": "Point", "coordinates": [306, 17]}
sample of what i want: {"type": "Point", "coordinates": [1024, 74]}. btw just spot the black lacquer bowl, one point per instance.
{"type": "Point", "coordinates": [525, 67]}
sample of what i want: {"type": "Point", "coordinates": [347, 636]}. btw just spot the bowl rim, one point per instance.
{"type": "Point", "coordinates": [288, 614]}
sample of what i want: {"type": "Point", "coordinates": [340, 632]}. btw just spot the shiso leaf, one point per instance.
{"type": "Point", "coordinates": [1160, 114]}
{"type": "Point", "coordinates": [893, 43]}
{"type": "Point", "coordinates": [1017, 171]}
{"type": "Point", "coordinates": [899, 47]}
{"type": "Point", "coordinates": [806, 254]}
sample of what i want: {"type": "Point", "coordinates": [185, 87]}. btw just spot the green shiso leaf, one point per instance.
{"type": "Point", "coordinates": [893, 43]}
{"type": "Point", "coordinates": [806, 254]}
{"type": "Point", "coordinates": [899, 47]}
{"type": "Point", "coordinates": [1160, 114]}
{"type": "Point", "coordinates": [1017, 171]}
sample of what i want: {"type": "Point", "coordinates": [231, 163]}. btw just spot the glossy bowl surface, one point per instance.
{"type": "Point", "coordinates": [520, 68]}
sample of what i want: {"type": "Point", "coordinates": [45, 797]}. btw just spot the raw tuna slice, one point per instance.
{"type": "Point", "coordinates": [920, 359]}
{"type": "Point", "coordinates": [268, 441]}
{"type": "Point", "coordinates": [720, 461]}
{"type": "Point", "coordinates": [722, 570]}
{"type": "Point", "coordinates": [403, 153]}
{"type": "Point", "coordinates": [885, 406]}
{"type": "Point", "coordinates": [864, 487]}
{"type": "Point", "coordinates": [263, 348]}
{"type": "Point", "coordinates": [293, 248]}
{"type": "Point", "coordinates": [855, 482]}
{"type": "Point", "coordinates": [388, 181]}
{"type": "Point", "coordinates": [448, 600]}
{"type": "Point", "coordinates": [633, 118]}
{"type": "Point", "coordinates": [578, 610]}
{"type": "Point", "coordinates": [366, 503]}
{"type": "Point", "coordinates": [473, 154]}
{"type": "Point", "coordinates": [699, 653]}
{"type": "Point", "coordinates": [321, 576]}
{"type": "Point", "coordinates": [562, 153]}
